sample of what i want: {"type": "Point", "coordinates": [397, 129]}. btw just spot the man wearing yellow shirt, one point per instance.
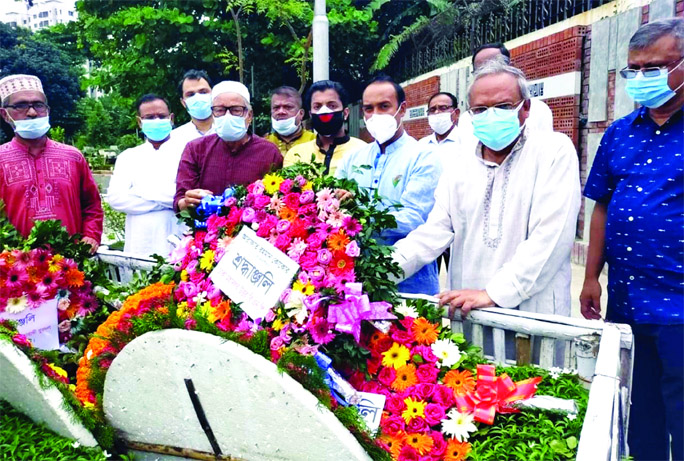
{"type": "Point", "coordinates": [286, 119]}
{"type": "Point", "coordinates": [328, 102]}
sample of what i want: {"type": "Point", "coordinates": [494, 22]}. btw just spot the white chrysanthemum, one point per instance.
{"type": "Point", "coordinates": [16, 305]}
{"type": "Point", "coordinates": [406, 311]}
{"type": "Point", "coordinates": [555, 372]}
{"type": "Point", "coordinates": [458, 425]}
{"type": "Point", "coordinates": [447, 352]}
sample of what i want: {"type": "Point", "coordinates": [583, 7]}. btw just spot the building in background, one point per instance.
{"type": "Point", "coordinates": [37, 14]}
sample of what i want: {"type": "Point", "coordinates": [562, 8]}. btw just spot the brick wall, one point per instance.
{"type": "Point", "coordinates": [417, 94]}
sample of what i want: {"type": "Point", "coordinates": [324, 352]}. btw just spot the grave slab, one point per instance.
{"type": "Point", "coordinates": [19, 385]}
{"type": "Point", "coordinates": [254, 412]}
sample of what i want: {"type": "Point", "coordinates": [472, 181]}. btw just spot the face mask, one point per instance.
{"type": "Point", "coordinates": [284, 127]}
{"type": "Point", "coordinates": [497, 128]}
{"type": "Point", "coordinates": [199, 106]}
{"type": "Point", "coordinates": [157, 129]}
{"type": "Point", "coordinates": [326, 122]}
{"type": "Point", "coordinates": [32, 128]}
{"type": "Point", "coordinates": [230, 128]}
{"type": "Point", "coordinates": [440, 123]}
{"type": "Point", "coordinates": [651, 92]}
{"type": "Point", "coordinates": [382, 126]}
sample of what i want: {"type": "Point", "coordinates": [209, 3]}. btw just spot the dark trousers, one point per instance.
{"type": "Point", "coordinates": [657, 410]}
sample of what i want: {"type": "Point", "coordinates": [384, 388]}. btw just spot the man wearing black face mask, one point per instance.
{"type": "Point", "coordinates": [328, 102]}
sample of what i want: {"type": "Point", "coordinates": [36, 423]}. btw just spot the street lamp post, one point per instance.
{"type": "Point", "coordinates": [320, 42]}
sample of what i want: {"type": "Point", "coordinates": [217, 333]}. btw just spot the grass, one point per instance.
{"type": "Point", "coordinates": [22, 440]}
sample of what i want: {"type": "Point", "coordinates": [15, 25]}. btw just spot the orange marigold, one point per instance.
{"type": "Point", "coordinates": [287, 213]}
{"type": "Point", "coordinates": [422, 443]}
{"type": "Point", "coordinates": [461, 382]}
{"type": "Point", "coordinates": [406, 377]}
{"type": "Point", "coordinates": [74, 278]}
{"type": "Point", "coordinates": [338, 241]}
{"type": "Point", "coordinates": [456, 451]}
{"type": "Point", "coordinates": [424, 332]}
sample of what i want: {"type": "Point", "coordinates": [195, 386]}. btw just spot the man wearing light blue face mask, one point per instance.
{"type": "Point", "coordinates": [143, 183]}
{"type": "Point", "coordinates": [230, 155]}
{"type": "Point", "coordinates": [42, 179]}
{"type": "Point", "coordinates": [195, 90]}
{"type": "Point", "coordinates": [508, 204]}
{"type": "Point", "coordinates": [637, 181]}
{"type": "Point", "coordinates": [286, 120]}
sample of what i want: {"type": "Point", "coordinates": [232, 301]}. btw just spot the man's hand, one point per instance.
{"type": "Point", "coordinates": [343, 195]}
{"type": "Point", "coordinates": [465, 299]}
{"type": "Point", "coordinates": [193, 197]}
{"type": "Point", "coordinates": [94, 244]}
{"type": "Point", "coordinates": [590, 299]}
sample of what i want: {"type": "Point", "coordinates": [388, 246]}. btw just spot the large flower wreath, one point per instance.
{"type": "Point", "coordinates": [435, 386]}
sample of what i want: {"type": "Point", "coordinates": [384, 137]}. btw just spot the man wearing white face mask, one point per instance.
{"type": "Point", "coordinates": [41, 179]}
{"type": "Point", "coordinates": [443, 115]}
{"type": "Point", "coordinates": [195, 90]}
{"type": "Point", "coordinates": [144, 181]}
{"type": "Point", "coordinates": [230, 155]}
{"type": "Point", "coordinates": [286, 119]}
{"type": "Point", "coordinates": [399, 169]}
{"type": "Point", "coordinates": [509, 206]}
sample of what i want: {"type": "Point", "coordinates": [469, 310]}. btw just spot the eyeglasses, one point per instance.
{"type": "Point", "coordinates": [23, 107]}
{"type": "Point", "coordinates": [155, 117]}
{"type": "Point", "coordinates": [236, 111]}
{"type": "Point", "coordinates": [629, 74]}
{"type": "Point", "coordinates": [437, 109]}
{"type": "Point", "coordinates": [478, 110]}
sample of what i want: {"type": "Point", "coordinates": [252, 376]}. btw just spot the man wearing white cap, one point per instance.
{"type": "Point", "coordinates": [41, 179]}
{"type": "Point", "coordinates": [230, 155]}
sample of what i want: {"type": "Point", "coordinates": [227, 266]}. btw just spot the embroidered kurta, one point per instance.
{"type": "Point", "coordinates": [54, 184]}
{"type": "Point", "coordinates": [512, 225]}
{"type": "Point", "coordinates": [143, 186]}
{"type": "Point", "coordinates": [406, 174]}
{"type": "Point", "coordinates": [639, 174]}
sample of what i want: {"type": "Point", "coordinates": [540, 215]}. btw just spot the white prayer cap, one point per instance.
{"type": "Point", "coordinates": [230, 86]}
{"type": "Point", "coordinates": [19, 82]}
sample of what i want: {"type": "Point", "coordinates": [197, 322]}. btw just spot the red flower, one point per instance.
{"type": "Point", "coordinates": [341, 263]}
{"type": "Point", "coordinates": [292, 200]}
{"type": "Point", "coordinates": [387, 376]}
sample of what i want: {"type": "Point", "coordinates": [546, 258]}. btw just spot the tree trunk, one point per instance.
{"type": "Point", "coordinates": [238, 33]}
{"type": "Point", "coordinates": [305, 61]}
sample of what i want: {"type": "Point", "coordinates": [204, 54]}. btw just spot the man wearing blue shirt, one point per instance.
{"type": "Point", "coordinates": [399, 168]}
{"type": "Point", "coordinates": [637, 227]}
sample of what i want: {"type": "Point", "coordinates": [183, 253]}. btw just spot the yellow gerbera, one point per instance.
{"type": "Point", "coordinates": [396, 356]}
{"type": "Point", "coordinates": [272, 183]}
{"type": "Point", "coordinates": [207, 260]}
{"type": "Point", "coordinates": [307, 289]}
{"type": "Point", "coordinates": [414, 409]}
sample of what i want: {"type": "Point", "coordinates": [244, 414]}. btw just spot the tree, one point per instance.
{"type": "Point", "coordinates": [22, 53]}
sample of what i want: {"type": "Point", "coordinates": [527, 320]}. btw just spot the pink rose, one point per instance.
{"type": "Point", "coordinates": [387, 376]}
{"type": "Point", "coordinates": [395, 404]}
{"type": "Point", "coordinates": [286, 186]}
{"type": "Point", "coordinates": [425, 352]}
{"type": "Point", "coordinates": [444, 396]}
{"type": "Point", "coordinates": [427, 373]}
{"type": "Point", "coordinates": [392, 424]}
{"type": "Point", "coordinates": [248, 215]}
{"type": "Point", "coordinates": [352, 250]}
{"type": "Point", "coordinates": [418, 425]}
{"type": "Point", "coordinates": [408, 453]}
{"type": "Point", "coordinates": [424, 391]}
{"type": "Point", "coordinates": [283, 242]}
{"type": "Point", "coordinates": [261, 201]}
{"type": "Point", "coordinates": [292, 200]}
{"type": "Point", "coordinates": [402, 337]}
{"type": "Point", "coordinates": [277, 343]}
{"type": "Point", "coordinates": [229, 202]}
{"type": "Point", "coordinates": [439, 445]}
{"type": "Point", "coordinates": [434, 413]}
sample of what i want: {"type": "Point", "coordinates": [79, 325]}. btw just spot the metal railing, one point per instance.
{"type": "Point", "coordinates": [520, 19]}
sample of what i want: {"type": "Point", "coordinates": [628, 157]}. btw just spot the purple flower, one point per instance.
{"type": "Point", "coordinates": [324, 256]}
{"type": "Point", "coordinates": [352, 250]}
{"type": "Point", "coordinates": [229, 202]}
{"type": "Point", "coordinates": [307, 196]}
{"type": "Point", "coordinates": [320, 331]}
{"type": "Point", "coordinates": [286, 186]}
{"type": "Point", "coordinates": [283, 226]}
{"type": "Point", "coordinates": [248, 215]}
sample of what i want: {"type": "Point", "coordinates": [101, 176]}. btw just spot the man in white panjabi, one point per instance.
{"type": "Point", "coordinates": [144, 182]}
{"type": "Point", "coordinates": [509, 205]}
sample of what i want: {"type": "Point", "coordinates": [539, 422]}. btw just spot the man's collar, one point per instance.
{"type": "Point", "coordinates": [336, 141]}
{"type": "Point", "coordinates": [519, 144]}
{"type": "Point", "coordinates": [641, 115]}
{"type": "Point", "coordinates": [293, 139]}
{"type": "Point", "coordinates": [396, 144]}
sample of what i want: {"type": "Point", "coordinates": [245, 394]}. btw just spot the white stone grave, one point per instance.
{"type": "Point", "coordinates": [20, 387]}
{"type": "Point", "coordinates": [255, 413]}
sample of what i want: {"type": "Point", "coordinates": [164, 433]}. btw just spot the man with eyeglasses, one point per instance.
{"type": "Point", "coordinates": [144, 181]}
{"type": "Point", "coordinates": [327, 101]}
{"type": "Point", "coordinates": [509, 206]}
{"type": "Point", "coordinates": [443, 114]}
{"type": "Point", "coordinates": [540, 116]}
{"type": "Point", "coordinates": [286, 120]}
{"type": "Point", "coordinates": [230, 155]}
{"type": "Point", "coordinates": [637, 227]}
{"type": "Point", "coordinates": [41, 179]}
{"type": "Point", "coordinates": [195, 90]}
